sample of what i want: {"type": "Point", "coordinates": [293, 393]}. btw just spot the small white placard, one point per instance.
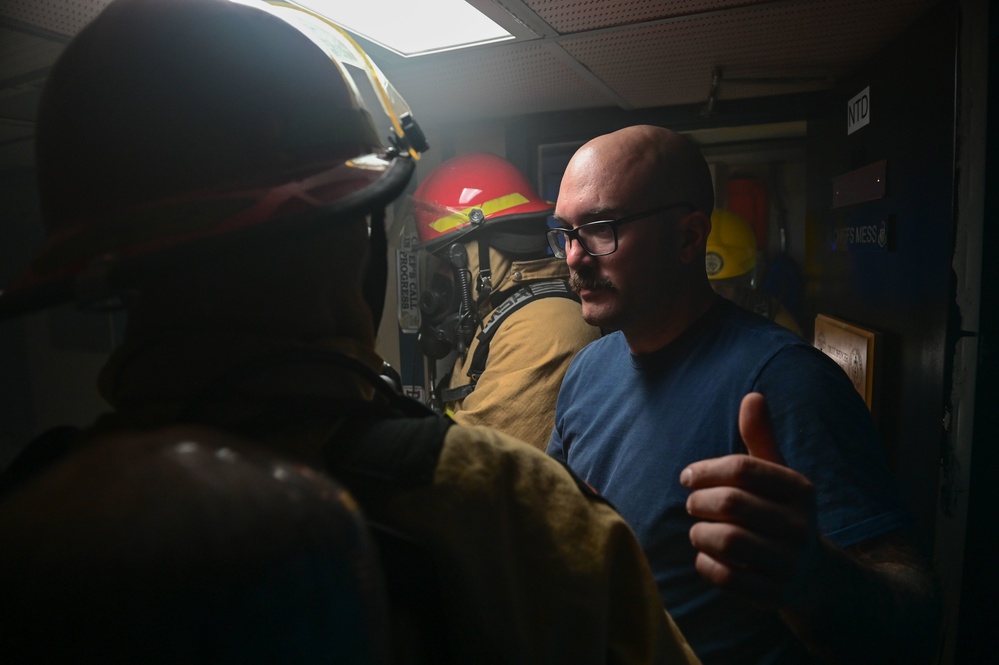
{"type": "Point", "coordinates": [858, 111]}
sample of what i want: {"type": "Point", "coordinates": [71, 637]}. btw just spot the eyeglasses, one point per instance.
{"type": "Point", "coordinates": [599, 238]}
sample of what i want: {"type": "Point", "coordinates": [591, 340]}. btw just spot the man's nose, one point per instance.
{"type": "Point", "coordinates": [575, 255]}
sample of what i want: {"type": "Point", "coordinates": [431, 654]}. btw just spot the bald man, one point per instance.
{"type": "Point", "coordinates": [748, 466]}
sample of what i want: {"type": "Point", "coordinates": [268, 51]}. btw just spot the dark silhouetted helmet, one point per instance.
{"type": "Point", "coordinates": [169, 123]}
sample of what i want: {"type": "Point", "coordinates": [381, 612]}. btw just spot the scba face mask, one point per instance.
{"type": "Point", "coordinates": [449, 316]}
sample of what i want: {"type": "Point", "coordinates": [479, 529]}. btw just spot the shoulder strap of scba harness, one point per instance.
{"type": "Point", "coordinates": [521, 297]}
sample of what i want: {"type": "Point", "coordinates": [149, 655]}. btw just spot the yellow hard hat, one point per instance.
{"type": "Point", "coordinates": [731, 247]}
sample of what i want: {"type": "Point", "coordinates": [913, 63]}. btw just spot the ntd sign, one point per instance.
{"type": "Point", "coordinates": [858, 111]}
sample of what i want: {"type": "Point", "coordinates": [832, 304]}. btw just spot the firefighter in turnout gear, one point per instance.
{"type": "Point", "coordinates": [496, 301]}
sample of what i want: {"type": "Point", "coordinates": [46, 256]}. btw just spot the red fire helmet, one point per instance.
{"type": "Point", "coordinates": [469, 192]}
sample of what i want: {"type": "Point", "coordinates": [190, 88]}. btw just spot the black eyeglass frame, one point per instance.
{"type": "Point", "coordinates": [573, 234]}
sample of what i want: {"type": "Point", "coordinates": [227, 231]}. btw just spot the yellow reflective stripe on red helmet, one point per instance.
{"type": "Point", "coordinates": [460, 218]}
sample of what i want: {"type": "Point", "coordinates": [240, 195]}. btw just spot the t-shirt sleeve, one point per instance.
{"type": "Point", "coordinates": [825, 431]}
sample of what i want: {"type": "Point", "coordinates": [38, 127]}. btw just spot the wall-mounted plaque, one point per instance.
{"type": "Point", "coordinates": [867, 183]}
{"type": "Point", "coordinates": [853, 348]}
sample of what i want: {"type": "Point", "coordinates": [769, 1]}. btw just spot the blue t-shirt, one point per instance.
{"type": "Point", "coordinates": [629, 424]}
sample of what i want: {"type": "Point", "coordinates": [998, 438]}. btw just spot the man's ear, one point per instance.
{"type": "Point", "coordinates": [694, 230]}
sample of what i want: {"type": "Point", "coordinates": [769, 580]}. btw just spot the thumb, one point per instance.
{"type": "Point", "coordinates": [756, 430]}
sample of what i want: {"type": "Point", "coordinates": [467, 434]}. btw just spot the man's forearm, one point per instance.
{"type": "Point", "coordinates": [866, 608]}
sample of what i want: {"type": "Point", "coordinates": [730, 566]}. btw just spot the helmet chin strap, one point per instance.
{"type": "Point", "coordinates": [484, 282]}
{"type": "Point", "coordinates": [376, 276]}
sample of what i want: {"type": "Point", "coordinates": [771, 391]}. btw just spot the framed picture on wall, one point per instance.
{"type": "Point", "coordinates": [853, 348]}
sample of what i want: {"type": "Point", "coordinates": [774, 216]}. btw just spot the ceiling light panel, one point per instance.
{"type": "Point", "coordinates": [413, 28]}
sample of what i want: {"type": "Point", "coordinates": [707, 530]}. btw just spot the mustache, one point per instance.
{"type": "Point", "coordinates": [578, 282]}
